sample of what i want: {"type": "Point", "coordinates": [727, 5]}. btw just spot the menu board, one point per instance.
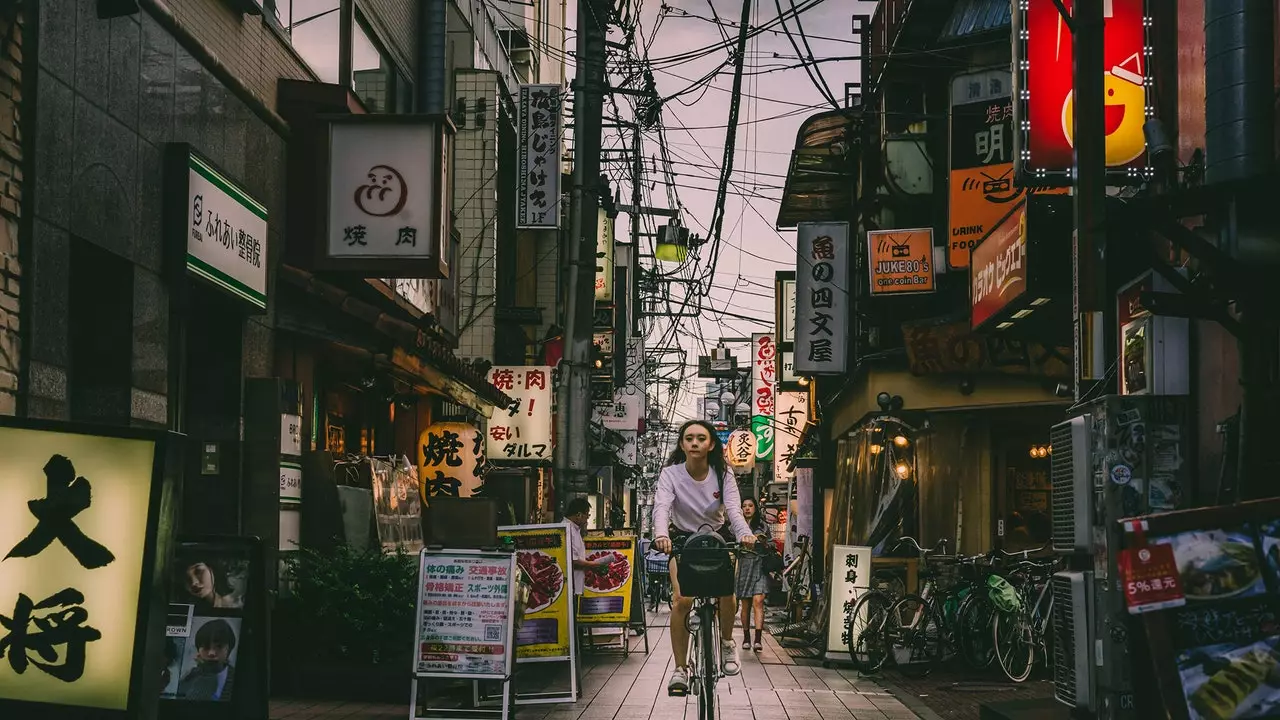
{"type": "Point", "coordinates": [607, 596]}
{"type": "Point", "coordinates": [542, 551]}
{"type": "Point", "coordinates": [1207, 582]}
{"type": "Point", "coordinates": [850, 580]}
{"type": "Point", "coordinates": [464, 614]}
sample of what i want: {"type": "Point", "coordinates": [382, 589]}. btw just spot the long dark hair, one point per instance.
{"type": "Point", "coordinates": [756, 521]}
{"type": "Point", "coordinates": [715, 456]}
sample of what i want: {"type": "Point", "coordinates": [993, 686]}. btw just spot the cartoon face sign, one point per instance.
{"type": "Point", "coordinates": [384, 194]}
{"type": "Point", "coordinates": [1126, 102]}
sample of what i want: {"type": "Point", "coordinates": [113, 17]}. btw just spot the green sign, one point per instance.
{"type": "Point", "coordinates": [762, 426]}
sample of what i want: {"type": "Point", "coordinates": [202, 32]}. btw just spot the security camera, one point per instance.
{"type": "Point", "coordinates": [1157, 139]}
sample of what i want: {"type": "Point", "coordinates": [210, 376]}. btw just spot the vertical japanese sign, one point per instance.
{"type": "Point", "coordinates": [538, 159]}
{"type": "Point", "coordinates": [542, 552]}
{"type": "Point", "coordinates": [764, 380]}
{"type": "Point", "coordinates": [786, 320]}
{"type": "Point", "coordinates": [900, 262]}
{"type": "Point", "coordinates": [1043, 56]}
{"type": "Point", "coordinates": [464, 614]}
{"type": "Point", "coordinates": [791, 415]}
{"type": "Point", "coordinates": [388, 196]}
{"type": "Point", "coordinates": [850, 579]}
{"type": "Point", "coordinates": [76, 522]}
{"type": "Point", "coordinates": [450, 460]}
{"type": "Point", "coordinates": [604, 257]}
{"type": "Point", "coordinates": [227, 233]}
{"type": "Point", "coordinates": [822, 298]}
{"type": "Point", "coordinates": [607, 596]}
{"type": "Point", "coordinates": [626, 410]}
{"type": "Point", "coordinates": [981, 180]}
{"type": "Point", "coordinates": [523, 430]}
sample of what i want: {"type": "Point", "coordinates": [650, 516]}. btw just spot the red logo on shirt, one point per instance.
{"type": "Point", "coordinates": [715, 495]}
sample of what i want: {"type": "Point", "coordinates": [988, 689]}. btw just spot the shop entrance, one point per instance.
{"type": "Point", "coordinates": [1023, 495]}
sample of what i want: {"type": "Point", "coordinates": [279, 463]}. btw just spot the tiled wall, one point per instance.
{"type": "Point", "coordinates": [475, 195]}
{"type": "Point", "coordinates": [11, 152]}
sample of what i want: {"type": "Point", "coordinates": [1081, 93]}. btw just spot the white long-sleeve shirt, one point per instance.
{"type": "Point", "coordinates": [689, 504]}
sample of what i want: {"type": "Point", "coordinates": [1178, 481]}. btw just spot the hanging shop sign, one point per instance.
{"type": "Point", "coordinates": [740, 451]}
{"type": "Point", "coordinates": [1022, 265]}
{"type": "Point", "coordinates": [542, 552]}
{"type": "Point", "coordinates": [607, 597]}
{"type": "Point", "coordinates": [82, 624]}
{"type": "Point", "coordinates": [850, 580]}
{"type": "Point", "coordinates": [630, 452]}
{"type": "Point", "coordinates": [947, 346]}
{"type": "Point", "coordinates": [538, 159]}
{"type": "Point", "coordinates": [224, 229]}
{"type": "Point", "coordinates": [822, 298]}
{"type": "Point", "coordinates": [450, 460]}
{"type": "Point", "coordinates": [605, 259]}
{"type": "Point", "coordinates": [790, 418]}
{"type": "Point", "coordinates": [981, 178]}
{"type": "Point", "coordinates": [900, 261]}
{"type": "Point", "coordinates": [787, 376]}
{"type": "Point", "coordinates": [625, 411]}
{"type": "Point", "coordinates": [785, 312]}
{"type": "Point", "coordinates": [521, 431]}
{"type": "Point", "coordinates": [603, 342]}
{"type": "Point", "coordinates": [1044, 82]}
{"type": "Point", "coordinates": [764, 359]}
{"type": "Point", "coordinates": [388, 196]}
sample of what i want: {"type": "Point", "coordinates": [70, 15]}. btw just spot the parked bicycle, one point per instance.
{"type": "Point", "coordinates": [1020, 627]}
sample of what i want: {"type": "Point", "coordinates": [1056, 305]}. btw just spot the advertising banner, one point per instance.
{"type": "Point", "coordinates": [542, 552]}
{"type": "Point", "coordinates": [522, 431]}
{"type": "Point", "coordinates": [900, 261]}
{"type": "Point", "coordinates": [789, 421]}
{"type": "Point", "coordinates": [538, 159]}
{"type": "Point", "coordinates": [981, 180]}
{"type": "Point", "coordinates": [607, 596]}
{"type": "Point", "coordinates": [850, 578]}
{"type": "Point", "coordinates": [764, 379]}
{"type": "Point", "coordinates": [464, 614]}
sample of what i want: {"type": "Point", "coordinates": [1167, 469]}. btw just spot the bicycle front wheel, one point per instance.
{"type": "Point", "coordinates": [973, 630]}
{"type": "Point", "coordinates": [914, 634]}
{"type": "Point", "coordinates": [865, 632]}
{"type": "Point", "coordinates": [1015, 649]}
{"type": "Point", "coordinates": [710, 663]}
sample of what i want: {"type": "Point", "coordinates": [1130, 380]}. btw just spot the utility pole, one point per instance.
{"type": "Point", "coordinates": [1090, 186]}
{"type": "Point", "coordinates": [574, 402]}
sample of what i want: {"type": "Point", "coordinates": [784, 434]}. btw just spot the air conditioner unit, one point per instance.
{"type": "Point", "coordinates": [1071, 476]}
{"type": "Point", "coordinates": [1072, 639]}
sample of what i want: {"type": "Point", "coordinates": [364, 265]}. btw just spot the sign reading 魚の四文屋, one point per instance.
{"type": "Point", "coordinates": [388, 194]}
{"type": "Point", "coordinates": [822, 298]}
{"type": "Point", "coordinates": [523, 430]}
{"type": "Point", "coordinates": [78, 528]}
{"type": "Point", "coordinates": [226, 233]}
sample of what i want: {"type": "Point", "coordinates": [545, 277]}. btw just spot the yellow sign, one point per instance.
{"type": "Point", "coordinates": [607, 596]}
{"type": "Point", "coordinates": [901, 261]}
{"type": "Point", "coordinates": [73, 533]}
{"type": "Point", "coordinates": [542, 552]}
{"type": "Point", "coordinates": [450, 460]}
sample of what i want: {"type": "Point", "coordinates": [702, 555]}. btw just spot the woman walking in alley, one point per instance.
{"type": "Point", "coordinates": [695, 491]}
{"type": "Point", "coordinates": [753, 582]}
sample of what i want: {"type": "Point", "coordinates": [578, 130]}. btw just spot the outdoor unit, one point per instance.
{"type": "Point", "coordinates": [1072, 482]}
{"type": "Point", "coordinates": [1072, 639]}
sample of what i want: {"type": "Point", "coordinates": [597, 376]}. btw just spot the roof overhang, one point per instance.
{"type": "Point", "coordinates": [821, 180]}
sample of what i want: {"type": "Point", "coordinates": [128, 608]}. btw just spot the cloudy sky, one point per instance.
{"type": "Point", "coordinates": [777, 96]}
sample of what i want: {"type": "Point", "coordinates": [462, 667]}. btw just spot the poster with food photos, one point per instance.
{"type": "Point", "coordinates": [542, 552]}
{"type": "Point", "coordinates": [606, 599]}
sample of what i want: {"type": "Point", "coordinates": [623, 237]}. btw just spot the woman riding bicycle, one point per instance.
{"type": "Point", "coordinates": [695, 491]}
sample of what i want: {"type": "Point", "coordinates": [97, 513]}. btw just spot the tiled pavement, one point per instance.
{"type": "Point", "coordinates": [947, 694]}
{"type": "Point", "coordinates": [633, 687]}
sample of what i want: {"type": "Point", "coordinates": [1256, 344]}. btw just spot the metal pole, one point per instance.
{"type": "Point", "coordinates": [637, 170]}
{"type": "Point", "coordinates": [574, 411]}
{"type": "Point", "coordinates": [1091, 287]}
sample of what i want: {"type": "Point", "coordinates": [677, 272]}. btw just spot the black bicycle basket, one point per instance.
{"type": "Point", "coordinates": [705, 568]}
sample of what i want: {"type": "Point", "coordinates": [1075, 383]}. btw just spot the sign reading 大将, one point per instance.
{"type": "Point", "coordinates": [226, 233]}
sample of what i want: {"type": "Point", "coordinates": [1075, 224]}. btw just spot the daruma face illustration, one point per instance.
{"type": "Point", "coordinates": [1125, 112]}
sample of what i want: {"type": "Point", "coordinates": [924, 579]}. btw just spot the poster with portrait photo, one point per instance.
{"type": "Point", "coordinates": [177, 630]}
{"type": "Point", "coordinates": [214, 581]}
{"type": "Point", "coordinates": [209, 660]}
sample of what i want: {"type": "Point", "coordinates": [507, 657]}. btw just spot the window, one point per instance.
{"type": "Point", "coordinates": [312, 27]}
{"type": "Point", "coordinates": [372, 75]}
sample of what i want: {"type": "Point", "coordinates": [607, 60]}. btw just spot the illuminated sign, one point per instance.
{"type": "Point", "coordinates": [981, 185]}
{"type": "Point", "coordinates": [1044, 86]}
{"type": "Point", "coordinates": [1023, 268]}
{"type": "Point", "coordinates": [900, 261]}
{"type": "Point", "coordinates": [78, 536]}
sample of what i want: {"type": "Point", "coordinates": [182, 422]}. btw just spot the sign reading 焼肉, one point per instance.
{"type": "Point", "coordinates": [388, 194]}
{"type": "Point", "coordinates": [900, 261]}
{"type": "Point", "coordinates": [822, 298]}
{"type": "Point", "coordinates": [451, 460]}
{"type": "Point", "coordinates": [538, 159]}
{"type": "Point", "coordinates": [226, 232]}
{"type": "Point", "coordinates": [78, 532]}
{"type": "Point", "coordinates": [542, 552]}
{"type": "Point", "coordinates": [981, 180]}
{"type": "Point", "coordinates": [523, 430]}
{"type": "Point", "coordinates": [1043, 56]}
{"type": "Point", "coordinates": [607, 596]}
{"type": "Point", "coordinates": [764, 379]}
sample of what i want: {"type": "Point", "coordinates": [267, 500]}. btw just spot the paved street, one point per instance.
{"type": "Point", "coordinates": [770, 687]}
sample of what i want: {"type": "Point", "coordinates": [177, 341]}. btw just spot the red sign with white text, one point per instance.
{"type": "Point", "coordinates": [998, 271]}
{"type": "Point", "coordinates": [1150, 579]}
{"type": "Point", "coordinates": [1048, 74]}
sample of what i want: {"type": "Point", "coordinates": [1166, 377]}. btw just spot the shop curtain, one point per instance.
{"type": "Point", "coordinates": [953, 467]}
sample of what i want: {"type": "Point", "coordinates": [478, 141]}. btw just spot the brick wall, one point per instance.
{"type": "Point", "coordinates": [10, 200]}
{"type": "Point", "coordinates": [475, 198]}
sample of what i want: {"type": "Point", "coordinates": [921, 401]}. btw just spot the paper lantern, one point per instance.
{"type": "Point", "coordinates": [740, 451]}
{"type": "Point", "coordinates": [450, 460]}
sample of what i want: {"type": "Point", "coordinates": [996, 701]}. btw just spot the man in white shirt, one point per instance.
{"type": "Point", "coordinates": [576, 515]}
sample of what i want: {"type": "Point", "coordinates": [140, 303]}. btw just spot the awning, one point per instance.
{"type": "Point", "coordinates": [417, 354]}
{"type": "Point", "coordinates": [822, 179]}
{"type": "Point", "coordinates": [970, 18]}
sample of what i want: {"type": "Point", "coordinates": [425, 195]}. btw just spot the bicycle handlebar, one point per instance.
{"type": "Point", "coordinates": [941, 545]}
{"type": "Point", "coordinates": [1024, 554]}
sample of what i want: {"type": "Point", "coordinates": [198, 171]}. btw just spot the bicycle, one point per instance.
{"type": "Point", "coordinates": [798, 580]}
{"type": "Point", "coordinates": [1018, 632]}
{"type": "Point", "coordinates": [877, 626]}
{"type": "Point", "coordinates": [703, 623]}
{"type": "Point", "coordinates": [658, 589]}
